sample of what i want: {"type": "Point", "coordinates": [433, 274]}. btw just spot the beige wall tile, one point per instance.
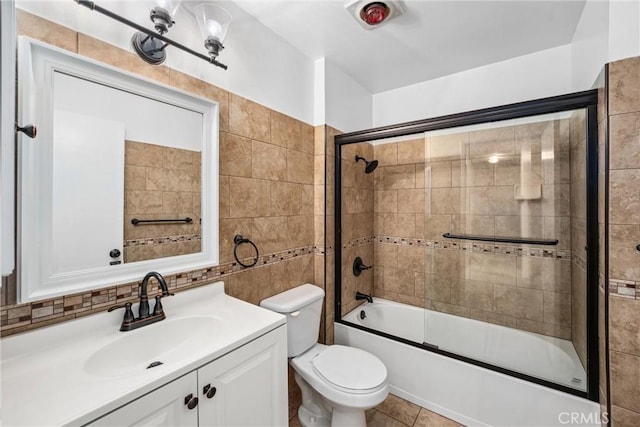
{"type": "Point", "coordinates": [472, 224]}
{"type": "Point", "coordinates": [386, 154]}
{"type": "Point", "coordinates": [624, 86]}
{"type": "Point", "coordinates": [249, 119]}
{"type": "Point", "coordinates": [228, 229]}
{"type": "Point", "coordinates": [446, 147]}
{"type": "Point", "coordinates": [490, 268]}
{"type": "Point", "coordinates": [300, 229]}
{"type": "Point", "coordinates": [143, 202]}
{"type": "Point", "coordinates": [624, 196]}
{"type": "Point", "coordinates": [411, 258]}
{"type": "Point", "coordinates": [269, 161]}
{"type": "Point", "coordinates": [142, 154]}
{"type": "Point", "coordinates": [135, 177]}
{"type": "Point", "coordinates": [519, 226]}
{"type": "Point", "coordinates": [224, 199]}
{"type": "Point", "coordinates": [624, 325]}
{"type": "Point", "coordinates": [203, 89]}
{"type": "Point", "coordinates": [307, 138]}
{"type": "Point", "coordinates": [519, 302]}
{"type": "Point", "coordinates": [624, 259]}
{"type": "Point", "coordinates": [299, 167]}
{"type": "Point", "coordinates": [235, 155]}
{"type": "Point", "coordinates": [285, 131]}
{"type": "Point", "coordinates": [492, 142]}
{"type": "Point", "coordinates": [399, 225]}
{"type": "Point", "coordinates": [411, 151]}
{"type": "Point", "coordinates": [245, 285]}
{"type": "Point", "coordinates": [249, 197]}
{"type": "Point", "coordinates": [557, 309]}
{"type": "Point", "coordinates": [621, 417]}
{"type": "Point", "coordinates": [438, 174]}
{"type": "Point", "coordinates": [411, 201]}
{"type": "Point", "coordinates": [485, 200]}
{"type": "Point", "coordinates": [446, 201]}
{"type": "Point", "coordinates": [44, 30]}
{"type": "Point", "coordinates": [286, 198]}
{"type": "Point", "coordinates": [109, 54]}
{"type": "Point", "coordinates": [624, 141]}
{"type": "Point", "coordinates": [385, 255]}
{"type": "Point", "coordinates": [400, 281]}
{"type": "Point", "coordinates": [549, 274]}
{"type": "Point", "coordinates": [472, 173]}
{"type": "Point", "coordinates": [399, 177]}
{"type": "Point", "coordinates": [271, 234]}
{"type": "Point", "coordinates": [625, 380]}
{"type": "Point", "coordinates": [385, 201]}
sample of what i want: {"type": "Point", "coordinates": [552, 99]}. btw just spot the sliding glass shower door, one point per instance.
{"type": "Point", "coordinates": [504, 210]}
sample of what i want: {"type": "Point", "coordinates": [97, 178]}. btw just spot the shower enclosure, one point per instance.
{"type": "Point", "coordinates": [481, 233]}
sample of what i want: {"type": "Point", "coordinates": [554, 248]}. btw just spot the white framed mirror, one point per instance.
{"type": "Point", "coordinates": [121, 178]}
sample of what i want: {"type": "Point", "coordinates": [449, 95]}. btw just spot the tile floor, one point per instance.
{"type": "Point", "coordinates": [397, 412]}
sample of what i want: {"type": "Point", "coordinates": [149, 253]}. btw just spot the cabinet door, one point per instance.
{"type": "Point", "coordinates": [250, 383]}
{"type": "Point", "coordinates": [162, 407]}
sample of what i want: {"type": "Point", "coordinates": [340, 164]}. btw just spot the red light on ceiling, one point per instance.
{"type": "Point", "coordinates": [374, 13]}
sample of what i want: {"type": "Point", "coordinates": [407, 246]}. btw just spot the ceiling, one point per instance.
{"type": "Point", "coordinates": [432, 39]}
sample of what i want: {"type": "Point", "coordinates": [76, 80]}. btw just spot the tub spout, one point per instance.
{"type": "Point", "coordinates": [361, 296]}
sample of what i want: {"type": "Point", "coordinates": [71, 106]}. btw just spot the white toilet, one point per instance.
{"type": "Point", "coordinates": [338, 383]}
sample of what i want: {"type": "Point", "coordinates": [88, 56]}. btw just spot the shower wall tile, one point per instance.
{"type": "Point", "coordinates": [386, 154]}
{"type": "Point", "coordinates": [446, 147]}
{"type": "Point", "coordinates": [399, 177]}
{"type": "Point", "coordinates": [472, 173]}
{"type": "Point", "coordinates": [410, 152]}
{"type": "Point", "coordinates": [492, 142]}
{"type": "Point", "coordinates": [438, 174]}
{"type": "Point", "coordinates": [527, 304]}
{"type": "Point", "coordinates": [411, 201]}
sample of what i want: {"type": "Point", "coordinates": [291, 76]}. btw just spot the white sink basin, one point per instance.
{"type": "Point", "coordinates": [167, 341]}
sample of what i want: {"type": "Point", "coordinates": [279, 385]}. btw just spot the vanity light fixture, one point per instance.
{"type": "Point", "coordinates": [150, 45]}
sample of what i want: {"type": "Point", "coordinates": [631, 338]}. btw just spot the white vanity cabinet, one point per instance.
{"type": "Point", "coordinates": [245, 387]}
{"type": "Point", "coordinates": [163, 407]}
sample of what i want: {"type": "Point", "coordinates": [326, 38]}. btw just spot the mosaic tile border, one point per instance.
{"type": "Point", "coordinates": [161, 240]}
{"type": "Point", "coordinates": [475, 247]}
{"type": "Point", "coordinates": [21, 317]}
{"type": "Point", "coordinates": [624, 288]}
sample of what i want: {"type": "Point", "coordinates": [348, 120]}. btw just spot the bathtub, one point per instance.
{"type": "Point", "coordinates": [467, 393]}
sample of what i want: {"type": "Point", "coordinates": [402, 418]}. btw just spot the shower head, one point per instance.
{"type": "Point", "coordinates": [370, 165]}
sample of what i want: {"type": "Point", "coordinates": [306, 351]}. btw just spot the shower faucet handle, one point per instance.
{"type": "Point", "coordinates": [359, 267]}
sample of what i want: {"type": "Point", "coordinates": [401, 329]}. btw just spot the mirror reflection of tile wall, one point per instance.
{"type": "Point", "coordinates": [161, 183]}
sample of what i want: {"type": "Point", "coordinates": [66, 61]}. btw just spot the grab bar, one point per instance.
{"type": "Point", "coordinates": [136, 221]}
{"type": "Point", "coordinates": [525, 240]}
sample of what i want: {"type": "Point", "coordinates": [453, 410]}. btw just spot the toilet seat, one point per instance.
{"type": "Point", "coordinates": [350, 369]}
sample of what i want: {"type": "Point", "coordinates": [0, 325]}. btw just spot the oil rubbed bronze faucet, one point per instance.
{"type": "Point", "coordinates": [130, 322]}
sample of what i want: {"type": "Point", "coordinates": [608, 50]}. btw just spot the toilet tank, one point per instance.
{"type": "Point", "coordinates": [303, 306]}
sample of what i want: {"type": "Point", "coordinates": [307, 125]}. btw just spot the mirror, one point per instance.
{"type": "Point", "coordinates": [121, 178]}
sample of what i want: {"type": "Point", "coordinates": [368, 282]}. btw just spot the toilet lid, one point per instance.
{"type": "Point", "coordinates": [350, 368]}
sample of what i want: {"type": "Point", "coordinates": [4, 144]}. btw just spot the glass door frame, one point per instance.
{"type": "Point", "coordinates": [587, 100]}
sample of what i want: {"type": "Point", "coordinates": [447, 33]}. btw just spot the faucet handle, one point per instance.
{"type": "Point", "coordinates": [128, 312]}
{"type": "Point", "coordinates": [157, 309]}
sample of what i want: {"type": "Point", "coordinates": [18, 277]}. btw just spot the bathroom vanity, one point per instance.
{"type": "Point", "coordinates": [214, 361]}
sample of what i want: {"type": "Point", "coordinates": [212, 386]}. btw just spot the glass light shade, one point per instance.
{"type": "Point", "coordinates": [170, 6]}
{"type": "Point", "coordinates": [213, 20]}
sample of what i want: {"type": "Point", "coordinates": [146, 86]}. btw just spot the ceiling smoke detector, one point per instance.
{"type": "Point", "coordinates": [371, 14]}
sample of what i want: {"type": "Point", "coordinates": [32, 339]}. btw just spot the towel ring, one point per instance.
{"type": "Point", "coordinates": [238, 240]}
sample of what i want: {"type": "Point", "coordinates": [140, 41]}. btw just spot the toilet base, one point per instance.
{"type": "Point", "coordinates": [316, 411]}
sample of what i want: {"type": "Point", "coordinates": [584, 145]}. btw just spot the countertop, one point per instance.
{"type": "Point", "coordinates": [44, 379]}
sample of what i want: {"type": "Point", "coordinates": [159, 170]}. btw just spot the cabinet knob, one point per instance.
{"type": "Point", "coordinates": [209, 391]}
{"type": "Point", "coordinates": [191, 401]}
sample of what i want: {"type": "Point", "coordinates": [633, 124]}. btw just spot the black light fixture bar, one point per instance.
{"type": "Point", "coordinates": [92, 6]}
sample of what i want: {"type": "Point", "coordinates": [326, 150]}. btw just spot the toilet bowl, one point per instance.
{"type": "Point", "coordinates": [338, 383]}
